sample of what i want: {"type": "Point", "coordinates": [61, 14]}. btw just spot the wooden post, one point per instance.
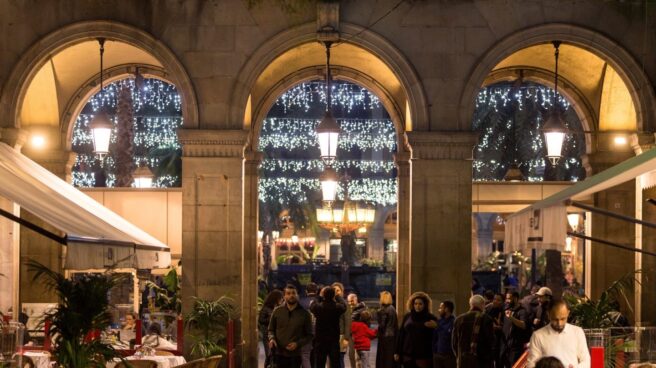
{"type": "Point", "coordinates": [137, 338]}
{"type": "Point", "coordinates": [180, 335]}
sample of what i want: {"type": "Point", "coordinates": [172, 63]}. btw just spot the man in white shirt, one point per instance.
{"type": "Point", "coordinates": [559, 339]}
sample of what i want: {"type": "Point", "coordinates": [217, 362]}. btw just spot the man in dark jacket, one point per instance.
{"type": "Point", "coordinates": [443, 356]}
{"type": "Point", "coordinates": [327, 310]}
{"type": "Point", "coordinates": [289, 330]}
{"type": "Point", "coordinates": [516, 329]}
{"type": "Point", "coordinates": [473, 336]}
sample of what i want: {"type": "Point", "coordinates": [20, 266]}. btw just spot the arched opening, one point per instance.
{"type": "Point", "coordinates": [603, 102]}
{"type": "Point", "coordinates": [298, 243]}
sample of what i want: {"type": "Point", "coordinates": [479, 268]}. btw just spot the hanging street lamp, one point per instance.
{"type": "Point", "coordinates": [328, 129]}
{"type": "Point", "coordinates": [329, 182]}
{"type": "Point", "coordinates": [554, 128]}
{"type": "Point", "coordinates": [143, 177]}
{"type": "Point", "coordinates": [101, 126]}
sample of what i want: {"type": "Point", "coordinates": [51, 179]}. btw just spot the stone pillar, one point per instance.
{"type": "Point", "coordinates": [250, 259]}
{"type": "Point", "coordinates": [609, 264]}
{"type": "Point", "coordinates": [403, 287]}
{"type": "Point", "coordinates": [484, 235]}
{"type": "Point", "coordinates": [441, 214]}
{"type": "Point", "coordinates": [35, 246]}
{"type": "Point", "coordinates": [212, 216]}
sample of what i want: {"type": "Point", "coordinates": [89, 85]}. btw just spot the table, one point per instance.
{"type": "Point", "coordinates": [41, 359]}
{"type": "Point", "coordinates": [163, 361]}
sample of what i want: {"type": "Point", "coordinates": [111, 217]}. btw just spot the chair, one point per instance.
{"type": "Point", "coordinates": [137, 364]}
{"type": "Point", "coordinates": [163, 353]}
{"type": "Point", "coordinates": [213, 361]}
{"type": "Point", "coordinates": [198, 363]}
{"type": "Point", "coordinates": [27, 362]}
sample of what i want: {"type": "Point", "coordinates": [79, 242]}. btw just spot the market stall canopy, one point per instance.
{"type": "Point", "coordinates": [543, 225]}
{"type": "Point", "coordinates": [96, 237]}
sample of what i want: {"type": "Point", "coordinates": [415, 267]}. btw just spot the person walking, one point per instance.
{"type": "Point", "coordinates": [307, 354]}
{"type": "Point", "coordinates": [271, 302]}
{"type": "Point", "coordinates": [356, 308]}
{"type": "Point", "coordinates": [290, 329]}
{"type": "Point", "coordinates": [413, 348]}
{"type": "Point", "coordinates": [559, 339]}
{"type": "Point", "coordinates": [344, 327]}
{"type": "Point", "coordinates": [387, 328]}
{"type": "Point", "coordinates": [542, 312]}
{"type": "Point", "coordinates": [327, 309]}
{"type": "Point", "coordinates": [362, 335]}
{"type": "Point", "coordinates": [443, 356]}
{"type": "Point", "coordinates": [473, 336]}
{"type": "Point", "coordinates": [516, 329]}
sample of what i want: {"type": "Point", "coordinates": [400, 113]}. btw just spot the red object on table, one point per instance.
{"type": "Point", "coordinates": [597, 357]}
{"type": "Point", "coordinates": [46, 335]}
{"type": "Point", "coordinates": [180, 335]}
{"type": "Point", "coordinates": [137, 338]}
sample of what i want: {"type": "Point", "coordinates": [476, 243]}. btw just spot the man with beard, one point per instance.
{"type": "Point", "coordinates": [289, 330]}
{"type": "Point", "coordinates": [443, 356]}
{"type": "Point", "coordinates": [327, 310]}
{"type": "Point", "coordinates": [495, 311]}
{"type": "Point", "coordinates": [542, 312]}
{"type": "Point", "coordinates": [559, 339]}
{"type": "Point", "coordinates": [516, 329]}
{"type": "Point", "coordinates": [473, 337]}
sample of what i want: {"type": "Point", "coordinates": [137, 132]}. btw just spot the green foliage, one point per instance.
{"type": "Point", "coordinates": [168, 297]}
{"type": "Point", "coordinates": [208, 321]}
{"type": "Point", "coordinates": [588, 313]}
{"type": "Point", "coordinates": [83, 308]}
{"type": "Point", "coordinates": [170, 163]}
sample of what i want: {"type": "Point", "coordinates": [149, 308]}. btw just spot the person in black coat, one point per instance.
{"type": "Point", "coordinates": [273, 300]}
{"type": "Point", "coordinates": [414, 346]}
{"type": "Point", "coordinates": [473, 336]}
{"type": "Point", "coordinates": [387, 330]}
{"type": "Point", "coordinates": [327, 310]}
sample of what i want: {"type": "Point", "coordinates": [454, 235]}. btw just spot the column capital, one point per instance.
{"type": "Point", "coordinates": [602, 160]}
{"type": "Point", "coordinates": [446, 145]}
{"type": "Point", "coordinates": [58, 161]}
{"type": "Point", "coordinates": [213, 143]}
{"type": "Point", "coordinates": [14, 137]}
{"type": "Point", "coordinates": [641, 142]}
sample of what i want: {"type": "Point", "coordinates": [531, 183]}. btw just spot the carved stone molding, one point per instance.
{"type": "Point", "coordinates": [641, 142]}
{"type": "Point", "coordinates": [441, 145]}
{"type": "Point", "coordinates": [213, 143]}
{"type": "Point", "coordinates": [58, 162]}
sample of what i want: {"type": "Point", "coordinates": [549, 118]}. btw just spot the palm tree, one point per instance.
{"type": "Point", "coordinates": [209, 321]}
{"type": "Point", "coordinates": [83, 309]}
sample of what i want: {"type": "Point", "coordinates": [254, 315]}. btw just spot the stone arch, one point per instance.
{"type": "Point", "coordinates": [33, 59]}
{"type": "Point", "coordinates": [624, 63]}
{"type": "Point", "coordinates": [92, 86]}
{"type": "Point", "coordinates": [338, 73]}
{"type": "Point", "coordinates": [581, 105]}
{"type": "Point", "coordinates": [367, 40]}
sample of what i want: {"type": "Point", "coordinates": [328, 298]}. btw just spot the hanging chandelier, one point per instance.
{"type": "Point", "coordinates": [554, 128]}
{"type": "Point", "coordinates": [101, 126]}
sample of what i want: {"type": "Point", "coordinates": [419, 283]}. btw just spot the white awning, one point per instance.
{"type": "Point", "coordinates": [641, 167]}
{"type": "Point", "coordinates": [96, 237]}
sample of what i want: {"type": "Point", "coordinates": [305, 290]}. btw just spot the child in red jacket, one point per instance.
{"type": "Point", "coordinates": [362, 336]}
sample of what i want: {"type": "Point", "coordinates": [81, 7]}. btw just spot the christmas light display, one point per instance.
{"type": "Point", "coordinates": [289, 172]}
{"type": "Point", "coordinates": [510, 118]}
{"type": "Point", "coordinates": [157, 115]}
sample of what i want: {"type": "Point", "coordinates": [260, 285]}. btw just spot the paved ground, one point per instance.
{"type": "Point", "coordinates": [372, 356]}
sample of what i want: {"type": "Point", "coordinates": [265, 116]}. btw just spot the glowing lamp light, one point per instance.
{"type": "Point", "coordinates": [554, 134]}
{"type": "Point", "coordinates": [620, 140]}
{"type": "Point", "coordinates": [328, 133]}
{"type": "Point", "coordinates": [260, 234]}
{"type": "Point", "coordinates": [143, 177]}
{"type": "Point", "coordinates": [275, 234]}
{"type": "Point", "coordinates": [568, 244]}
{"type": "Point", "coordinates": [573, 220]}
{"type": "Point", "coordinates": [101, 132]}
{"type": "Point", "coordinates": [328, 181]}
{"type": "Point", "coordinates": [294, 239]}
{"type": "Point", "coordinates": [38, 141]}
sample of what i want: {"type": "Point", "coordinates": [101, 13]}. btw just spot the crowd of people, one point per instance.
{"type": "Point", "coordinates": [327, 327]}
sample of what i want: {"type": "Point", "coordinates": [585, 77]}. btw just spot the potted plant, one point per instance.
{"type": "Point", "coordinates": [82, 312]}
{"type": "Point", "coordinates": [208, 324]}
{"type": "Point", "coordinates": [167, 296]}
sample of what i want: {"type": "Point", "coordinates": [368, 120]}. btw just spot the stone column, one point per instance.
{"type": "Point", "coordinates": [212, 215]}
{"type": "Point", "coordinates": [609, 264]}
{"type": "Point", "coordinates": [403, 265]}
{"type": "Point", "coordinates": [484, 235]}
{"type": "Point", "coordinates": [249, 259]}
{"type": "Point", "coordinates": [35, 246]}
{"type": "Point", "coordinates": [441, 214]}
